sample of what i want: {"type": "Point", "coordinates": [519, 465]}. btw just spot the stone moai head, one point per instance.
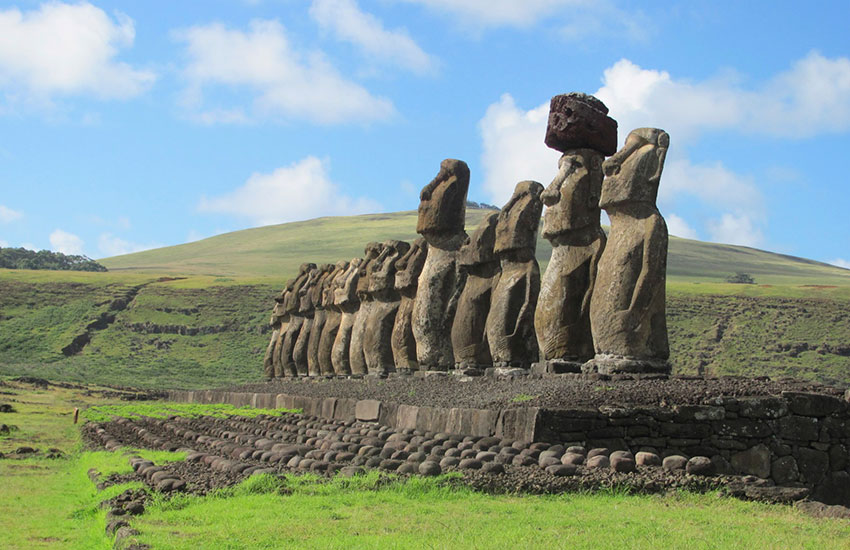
{"type": "Point", "coordinates": [346, 293]}
{"type": "Point", "coordinates": [409, 266]}
{"type": "Point", "coordinates": [384, 271]}
{"type": "Point", "coordinates": [318, 290]}
{"type": "Point", "coordinates": [478, 248]}
{"type": "Point", "coordinates": [442, 206]}
{"type": "Point", "coordinates": [372, 251]}
{"type": "Point", "coordinates": [334, 281]}
{"type": "Point", "coordinates": [632, 175]}
{"type": "Point", "coordinates": [579, 121]}
{"type": "Point", "coordinates": [572, 199]}
{"type": "Point", "coordinates": [520, 218]}
{"type": "Point", "coordinates": [305, 297]}
{"type": "Point", "coordinates": [292, 300]}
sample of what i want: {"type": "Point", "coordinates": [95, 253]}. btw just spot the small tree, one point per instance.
{"type": "Point", "coordinates": [741, 279]}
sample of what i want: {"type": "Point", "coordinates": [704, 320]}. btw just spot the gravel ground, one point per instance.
{"type": "Point", "coordinates": [556, 393]}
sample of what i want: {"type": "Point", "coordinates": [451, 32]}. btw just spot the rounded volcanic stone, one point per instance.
{"type": "Point", "coordinates": [523, 460]}
{"type": "Point", "coordinates": [468, 453]}
{"type": "Point", "coordinates": [550, 454]}
{"type": "Point", "coordinates": [417, 457]}
{"type": "Point", "coordinates": [493, 468]}
{"type": "Point", "coordinates": [598, 461]}
{"type": "Point", "coordinates": [374, 461]}
{"type": "Point", "coordinates": [577, 449]}
{"type": "Point", "coordinates": [580, 121]}
{"type": "Point", "coordinates": [674, 462]}
{"type": "Point", "coordinates": [562, 470]}
{"type": "Point", "coordinates": [448, 461]}
{"type": "Point", "coordinates": [389, 464]}
{"type": "Point", "coordinates": [470, 464]}
{"type": "Point", "coordinates": [546, 461]}
{"type": "Point", "coordinates": [486, 456]}
{"type": "Point", "coordinates": [351, 471]}
{"type": "Point", "coordinates": [572, 458]}
{"type": "Point", "coordinates": [430, 468]}
{"type": "Point", "coordinates": [407, 468]}
{"type": "Point", "coordinates": [645, 458]}
{"type": "Point", "coordinates": [453, 452]}
{"type": "Point", "coordinates": [622, 464]}
{"type": "Point", "coordinates": [134, 508]}
{"type": "Point", "coordinates": [700, 466]}
{"type": "Point", "coordinates": [598, 451]}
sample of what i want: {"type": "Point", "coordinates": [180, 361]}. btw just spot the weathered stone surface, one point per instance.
{"type": "Point", "coordinates": [622, 461]}
{"type": "Point", "coordinates": [333, 318]}
{"type": "Point", "coordinates": [801, 428]}
{"type": "Point", "coordinates": [356, 357]}
{"type": "Point", "coordinates": [300, 350]}
{"type": "Point", "coordinates": [430, 468]}
{"type": "Point", "coordinates": [813, 464]}
{"type": "Point", "coordinates": [377, 338]}
{"type": "Point", "coordinates": [754, 461]}
{"type": "Point", "coordinates": [673, 463]}
{"type": "Point", "coordinates": [345, 298]}
{"type": "Point", "coordinates": [562, 470]}
{"type": "Point", "coordinates": [835, 489]}
{"type": "Point", "coordinates": [763, 407]}
{"type": "Point", "coordinates": [813, 404]}
{"type": "Point", "coordinates": [481, 265]}
{"type": "Point", "coordinates": [291, 305]}
{"type": "Point", "coordinates": [408, 269]}
{"type": "Point", "coordinates": [442, 210]}
{"type": "Point", "coordinates": [784, 470]}
{"type": "Point", "coordinates": [700, 466]}
{"type": "Point", "coordinates": [627, 309]}
{"type": "Point", "coordinates": [571, 224]}
{"type": "Point", "coordinates": [510, 322]}
{"type": "Point", "coordinates": [319, 318]}
{"type": "Point", "coordinates": [368, 410]}
{"type": "Point", "coordinates": [645, 458]}
{"type": "Point", "coordinates": [598, 461]}
{"type": "Point", "coordinates": [268, 358]}
{"type": "Point", "coordinates": [579, 121]}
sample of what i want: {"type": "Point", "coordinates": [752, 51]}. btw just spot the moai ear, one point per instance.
{"type": "Point", "coordinates": [663, 142]}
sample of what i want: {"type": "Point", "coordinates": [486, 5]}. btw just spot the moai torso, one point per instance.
{"type": "Point", "coordinates": [408, 269]}
{"type": "Point", "coordinates": [271, 360]}
{"type": "Point", "coordinates": [356, 357]}
{"type": "Point", "coordinates": [627, 309]}
{"type": "Point", "coordinates": [306, 311]}
{"type": "Point", "coordinates": [296, 321]}
{"type": "Point", "coordinates": [332, 320]}
{"type": "Point", "coordinates": [377, 339]}
{"type": "Point", "coordinates": [442, 212]}
{"type": "Point", "coordinates": [571, 224]}
{"type": "Point", "coordinates": [319, 312]}
{"type": "Point", "coordinates": [479, 261]}
{"type": "Point", "coordinates": [345, 298]}
{"type": "Point", "coordinates": [510, 322]}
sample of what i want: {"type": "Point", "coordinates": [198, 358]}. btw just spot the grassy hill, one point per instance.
{"type": "Point", "coordinates": [196, 315]}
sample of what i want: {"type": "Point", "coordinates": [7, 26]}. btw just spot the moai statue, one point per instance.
{"type": "Point", "coordinates": [305, 310]}
{"type": "Point", "coordinates": [442, 213]}
{"type": "Point", "coordinates": [627, 310]}
{"type": "Point", "coordinates": [510, 322]}
{"type": "Point", "coordinates": [278, 323]}
{"type": "Point", "coordinates": [408, 269]}
{"type": "Point", "coordinates": [377, 339]}
{"type": "Point", "coordinates": [345, 298]}
{"type": "Point", "coordinates": [333, 317]}
{"type": "Point", "coordinates": [319, 313]}
{"type": "Point", "coordinates": [356, 358]}
{"type": "Point", "coordinates": [291, 304]}
{"type": "Point", "coordinates": [579, 127]}
{"type": "Point", "coordinates": [477, 259]}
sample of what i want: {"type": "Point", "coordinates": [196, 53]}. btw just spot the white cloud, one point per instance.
{"type": "Point", "coordinates": [513, 150]}
{"type": "Point", "coordinates": [735, 229]}
{"type": "Point", "coordinates": [283, 82]}
{"type": "Point", "coordinates": [29, 246]}
{"type": "Point", "coordinates": [66, 243]}
{"type": "Point", "coordinates": [810, 98]}
{"type": "Point", "coordinates": [110, 245]}
{"type": "Point", "coordinates": [838, 262]}
{"type": "Point", "coordinates": [4, 244]}
{"type": "Point", "coordinates": [65, 49]}
{"type": "Point", "coordinates": [679, 227]}
{"type": "Point", "coordinates": [299, 191]}
{"type": "Point", "coordinates": [7, 215]}
{"type": "Point", "coordinates": [348, 23]}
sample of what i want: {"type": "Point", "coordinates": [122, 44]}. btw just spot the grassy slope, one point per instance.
{"type": "Point", "coordinates": [51, 503]}
{"type": "Point", "coordinates": [278, 250]}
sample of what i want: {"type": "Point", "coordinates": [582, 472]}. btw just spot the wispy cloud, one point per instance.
{"type": "Point", "coordinates": [66, 243]}
{"type": "Point", "coordinates": [7, 215]}
{"type": "Point", "coordinates": [110, 245]}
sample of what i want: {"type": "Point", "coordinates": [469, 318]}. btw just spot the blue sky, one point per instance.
{"type": "Point", "coordinates": [130, 125]}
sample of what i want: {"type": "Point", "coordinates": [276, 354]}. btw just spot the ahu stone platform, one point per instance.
{"type": "Point", "coordinates": [793, 438]}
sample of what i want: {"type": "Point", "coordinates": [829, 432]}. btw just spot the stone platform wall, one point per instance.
{"type": "Point", "coordinates": [795, 438]}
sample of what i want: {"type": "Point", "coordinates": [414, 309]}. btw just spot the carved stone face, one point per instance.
{"type": "Point", "coordinates": [384, 267]}
{"type": "Point", "coordinates": [572, 199]}
{"type": "Point", "coordinates": [633, 173]}
{"type": "Point", "coordinates": [333, 283]}
{"type": "Point", "coordinates": [372, 250]}
{"type": "Point", "coordinates": [409, 266]}
{"type": "Point", "coordinates": [442, 206]}
{"type": "Point", "coordinates": [520, 218]}
{"type": "Point", "coordinates": [292, 300]}
{"type": "Point", "coordinates": [478, 248]}
{"type": "Point", "coordinates": [347, 290]}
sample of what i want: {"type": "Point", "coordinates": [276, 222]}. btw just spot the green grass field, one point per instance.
{"type": "Point", "coordinates": [51, 503]}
